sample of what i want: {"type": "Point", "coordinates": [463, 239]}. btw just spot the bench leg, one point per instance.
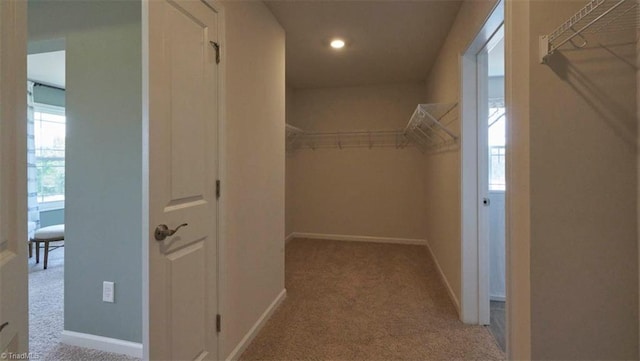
{"type": "Point", "coordinates": [37, 251]}
{"type": "Point", "coordinates": [46, 253]}
{"type": "Point", "coordinates": [30, 249]}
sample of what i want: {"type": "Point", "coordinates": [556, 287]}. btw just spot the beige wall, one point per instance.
{"type": "Point", "coordinates": [583, 132]}
{"type": "Point", "coordinates": [355, 108]}
{"type": "Point", "coordinates": [289, 186]}
{"type": "Point", "coordinates": [363, 192]}
{"type": "Point", "coordinates": [442, 192]}
{"type": "Point", "coordinates": [253, 195]}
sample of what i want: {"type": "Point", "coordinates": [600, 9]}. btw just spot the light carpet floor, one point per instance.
{"type": "Point", "coordinates": [366, 301]}
{"type": "Point", "coordinates": [46, 320]}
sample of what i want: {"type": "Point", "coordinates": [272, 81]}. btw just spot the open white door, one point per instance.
{"type": "Point", "coordinates": [182, 122]}
{"type": "Point", "coordinates": [14, 335]}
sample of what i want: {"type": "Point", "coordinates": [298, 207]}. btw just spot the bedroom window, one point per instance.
{"type": "Point", "coordinates": [497, 144]}
{"type": "Point", "coordinates": [49, 132]}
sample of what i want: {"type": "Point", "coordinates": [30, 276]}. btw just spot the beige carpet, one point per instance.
{"type": "Point", "coordinates": [366, 301]}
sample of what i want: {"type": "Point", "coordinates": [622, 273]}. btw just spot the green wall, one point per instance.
{"type": "Point", "coordinates": [51, 217]}
{"type": "Point", "coordinates": [48, 95]}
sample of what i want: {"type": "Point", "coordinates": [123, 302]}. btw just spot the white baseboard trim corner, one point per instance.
{"type": "Point", "coordinates": [290, 237]}
{"type": "Point", "coordinates": [444, 279]}
{"type": "Point", "coordinates": [341, 237]}
{"type": "Point", "coordinates": [251, 334]}
{"type": "Point", "coordinates": [101, 343]}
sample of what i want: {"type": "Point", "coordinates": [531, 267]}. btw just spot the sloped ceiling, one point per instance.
{"type": "Point", "coordinates": [387, 41]}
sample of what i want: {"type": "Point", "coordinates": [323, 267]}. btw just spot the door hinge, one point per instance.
{"type": "Point", "coordinates": [216, 46]}
{"type": "Point", "coordinates": [218, 323]}
{"type": "Point", "coordinates": [217, 188]}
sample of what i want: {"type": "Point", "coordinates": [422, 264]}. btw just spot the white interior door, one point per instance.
{"type": "Point", "coordinates": [483, 188]}
{"type": "Point", "coordinates": [183, 166]}
{"type": "Point", "coordinates": [488, 119]}
{"type": "Point", "coordinates": [13, 224]}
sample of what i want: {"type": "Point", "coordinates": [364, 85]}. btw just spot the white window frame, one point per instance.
{"type": "Point", "coordinates": [57, 110]}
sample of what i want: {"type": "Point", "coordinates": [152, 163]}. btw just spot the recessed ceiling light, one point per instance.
{"type": "Point", "coordinates": [337, 43]}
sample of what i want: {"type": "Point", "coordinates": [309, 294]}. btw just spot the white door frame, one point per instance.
{"type": "Point", "coordinates": [474, 258]}
{"type": "Point", "coordinates": [17, 49]}
{"type": "Point", "coordinates": [222, 174]}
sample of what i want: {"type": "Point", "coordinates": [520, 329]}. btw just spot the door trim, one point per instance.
{"type": "Point", "coordinates": [474, 266]}
{"type": "Point", "coordinates": [517, 202]}
{"type": "Point", "coordinates": [216, 6]}
{"type": "Point", "coordinates": [517, 212]}
{"type": "Point", "coordinates": [222, 171]}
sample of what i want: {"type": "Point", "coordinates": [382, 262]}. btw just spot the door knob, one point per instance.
{"type": "Point", "coordinates": [162, 231]}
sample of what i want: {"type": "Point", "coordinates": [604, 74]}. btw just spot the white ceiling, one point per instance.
{"type": "Point", "coordinates": [47, 68]}
{"type": "Point", "coordinates": [387, 41]}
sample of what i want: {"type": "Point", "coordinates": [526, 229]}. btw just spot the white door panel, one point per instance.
{"type": "Point", "coordinates": [183, 162]}
{"type": "Point", "coordinates": [13, 194]}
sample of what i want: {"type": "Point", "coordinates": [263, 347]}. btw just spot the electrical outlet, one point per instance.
{"type": "Point", "coordinates": [108, 291]}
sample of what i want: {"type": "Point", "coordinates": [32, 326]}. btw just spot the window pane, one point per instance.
{"type": "Point", "coordinates": [497, 178]}
{"type": "Point", "coordinates": [497, 142]}
{"type": "Point", "coordinates": [50, 130]}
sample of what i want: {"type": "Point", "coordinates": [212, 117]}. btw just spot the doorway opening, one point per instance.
{"type": "Point", "coordinates": [484, 181]}
{"type": "Point", "coordinates": [492, 177]}
{"type": "Point", "coordinates": [46, 134]}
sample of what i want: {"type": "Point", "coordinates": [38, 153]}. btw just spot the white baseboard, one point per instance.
{"type": "Point", "coordinates": [246, 340]}
{"type": "Point", "coordinates": [341, 237]}
{"type": "Point", "coordinates": [102, 343]}
{"type": "Point", "coordinates": [291, 236]}
{"type": "Point", "coordinates": [452, 295]}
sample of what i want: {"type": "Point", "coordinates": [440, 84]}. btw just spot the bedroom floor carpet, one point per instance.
{"type": "Point", "coordinates": [366, 301]}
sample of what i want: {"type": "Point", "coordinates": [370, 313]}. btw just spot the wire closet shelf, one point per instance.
{"type": "Point", "coordinates": [596, 17]}
{"type": "Point", "coordinates": [424, 130]}
{"type": "Point", "coordinates": [428, 129]}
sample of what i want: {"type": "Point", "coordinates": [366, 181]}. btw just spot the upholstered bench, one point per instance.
{"type": "Point", "coordinates": [47, 235]}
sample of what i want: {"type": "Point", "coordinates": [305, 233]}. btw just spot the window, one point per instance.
{"type": "Point", "coordinates": [497, 127]}
{"type": "Point", "coordinates": [49, 131]}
